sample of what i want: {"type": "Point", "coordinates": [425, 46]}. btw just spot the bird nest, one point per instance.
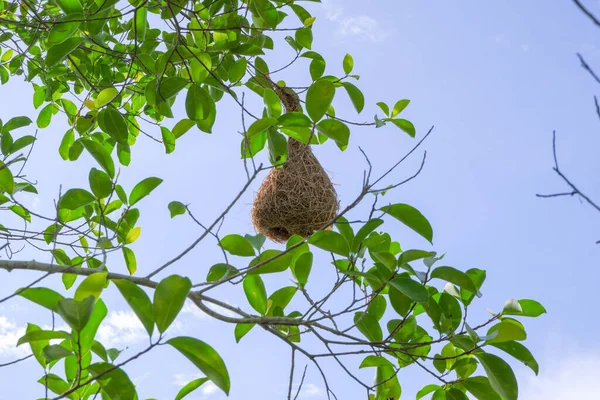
{"type": "Point", "coordinates": [297, 198]}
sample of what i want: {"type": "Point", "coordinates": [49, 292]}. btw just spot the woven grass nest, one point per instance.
{"type": "Point", "coordinates": [295, 199]}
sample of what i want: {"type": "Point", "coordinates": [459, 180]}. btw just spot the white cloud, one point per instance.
{"type": "Point", "coordinates": [184, 379]}
{"type": "Point", "coordinates": [311, 390]}
{"type": "Point", "coordinates": [191, 308]}
{"type": "Point", "coordinates": [9, 335]}
{"type": "Point", "coordinates": [209, 388]}
{"type": "Point", "coordinates": [361, 27]}
{"type": "Point", "coordinates": [573, 378]}
{"type": "Point", "coordinates": [123, 327]}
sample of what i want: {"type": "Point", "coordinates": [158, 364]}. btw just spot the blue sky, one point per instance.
{"type": "Point", "coordinates": [495, 80]}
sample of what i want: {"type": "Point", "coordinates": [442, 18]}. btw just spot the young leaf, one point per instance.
{"type": "Point", "coordinates": [130, 260]}
{"type": "Point", "coordinates": [169, 297]}
{"type": "Point", "coordinates": [398, 107]}
{"type": "Point", "coordinates": [348, 64]}
{"type": "Point", "coordinates": [92, 285]}
{"type": "Point", "coordinates": [106, 96]}
{"type": "Point", "coordinates": [241, 330]}
{"type": "Point", "coordinates": [143, 189]}
{"type": "Point", "coordinates": [356, 96]}
{"type": "Point", "coordinates": [254, 288]}
{"type": "Point", "coordinates": [190, 387]}
{"type": "Point", "coordinates": [205, 358]}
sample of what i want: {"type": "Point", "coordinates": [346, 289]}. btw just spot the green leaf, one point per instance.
{"type": "Point", "coordinates": [75, 198]}
{"type": "Point", "coordinates": [139, 302]}
{"type": "Point", "coordinates": [405, 125]}
{"type": "Point", "coordinates": [356, 96]}
{"type": "Point", "coordinates": [86, 337]}
{"type": "Point", "coordinates": [45, 297]}
{"type": "Point", "coordinates": [55, 352]}
{"type": "Point", "coordinates": [115, 384]}
{"type": "Point", "coordinates": [257, 240]}
{"type": "Point", "coordinates": [21, 212]}
{"type": "Point", "coordinates": [363, 232]}
{"type": "Point", "coordinates": [168, 139]}
{"type": "Point", "coordinates": [384, 108]}
{"type": "Point", "coordinates": [520, 352]}
{"type": "Point", "coordinates": [454, 276]}
{"type": "Point", "coordinates": [7, 182]}
{"type": "Point", "coordinates": [348, 64]}
{"type": "Point", "coordinates": [255, 291]}
{"type": "Point", "coordinates": [39, 335]}
{"type": "Point", "coordinates": [45, 116]}
{"type": "Point", "coordinates": [64, 30]}
{"type": "Point", "coordinates": [330, 241]}
{"type": "Point", "coordinates": [101, 155]}
{"type": "Point", "coordinates": [205, 358]}
{"type": "Point", "coordinates": [279, 264]}
{"type": "Point", "coordinates": [398, 107]}
{"type": "Point", "coordinates": [238, 70]}
{"type": "Point", "coordinates": [21, 143]}
{"type": "Point", "coordinates": [335, 130]}
{"type": "Point", "coordinates": [377, 307]}
{"type": "Point", "coordinates": [507, 330]}
{"type": "Point", "coordinates": [176, 208]}
{"type": "Point", "coordinates": [190, 387]}
{"type": "Point", "coordinates": [112, 122]}
{"type": "Point", "coordinates": [237, 245]}
{"type": "Point", "coordinates": [413, 290]}
{"type": "Point", "coordinates": [59, 52]}
{"type": "Point", "coordinates": [500, 375]}
{"type": "Point", "coordinates": [282, 297]}
{"type": "Point", "coordinates": [368, 326]}
{"type": "Point", "coordinates": [304, 37]}
{"type": "Point", "coordinates": [76, 313]}
{"type": "Point", "coordinates": [141, 23]}
{"type": "Point", "coordinates": [302, 268]}
{"type": "Point", "coordinates": [200, 67]}
{"type": "Point", "coordinates": [318, 98]}
{"type": "Point", "coordinates": [426, 390]}
{"type": "Point", "coordinates": [529, 308]}
{"type": "Point", "coordinates": [375, 361]}
{"type": "Point", "coordinates": [182, 127]}
{"type": "Point", "coordinates": [130, 260]}
{"type": "Point", "coordinates": [169, 298]}
{"type": "Point", "coordinates": [220, 271]}
{"type": "Point", "coordinates": [16, 123]}
{"type": "Point", "coordinates": [106, 96]}
{"type": "Point", "coordinates": [241, 330]}
{"type": "Point", "coordinates": [70, 6]}
{"type": "Point", "coordinates": [294, 119]}
{"type": "Point", "coordinates": [479, 386]}
{"type": "Point", "coordinates": [261, 125]}
{"type": "Point", "coordinates": [143, 189]}
{"type": "Point", "coordinates": [412, 218]}
{"type": "Point", "coordinates": [100, 183]}
{"type": "Point", "coordinates": [198, 103]}
{"type": "Point", "coordinates": [92, 285]}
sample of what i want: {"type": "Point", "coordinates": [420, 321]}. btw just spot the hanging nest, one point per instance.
{"type": "Point", "coordinates": [297, 198]}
